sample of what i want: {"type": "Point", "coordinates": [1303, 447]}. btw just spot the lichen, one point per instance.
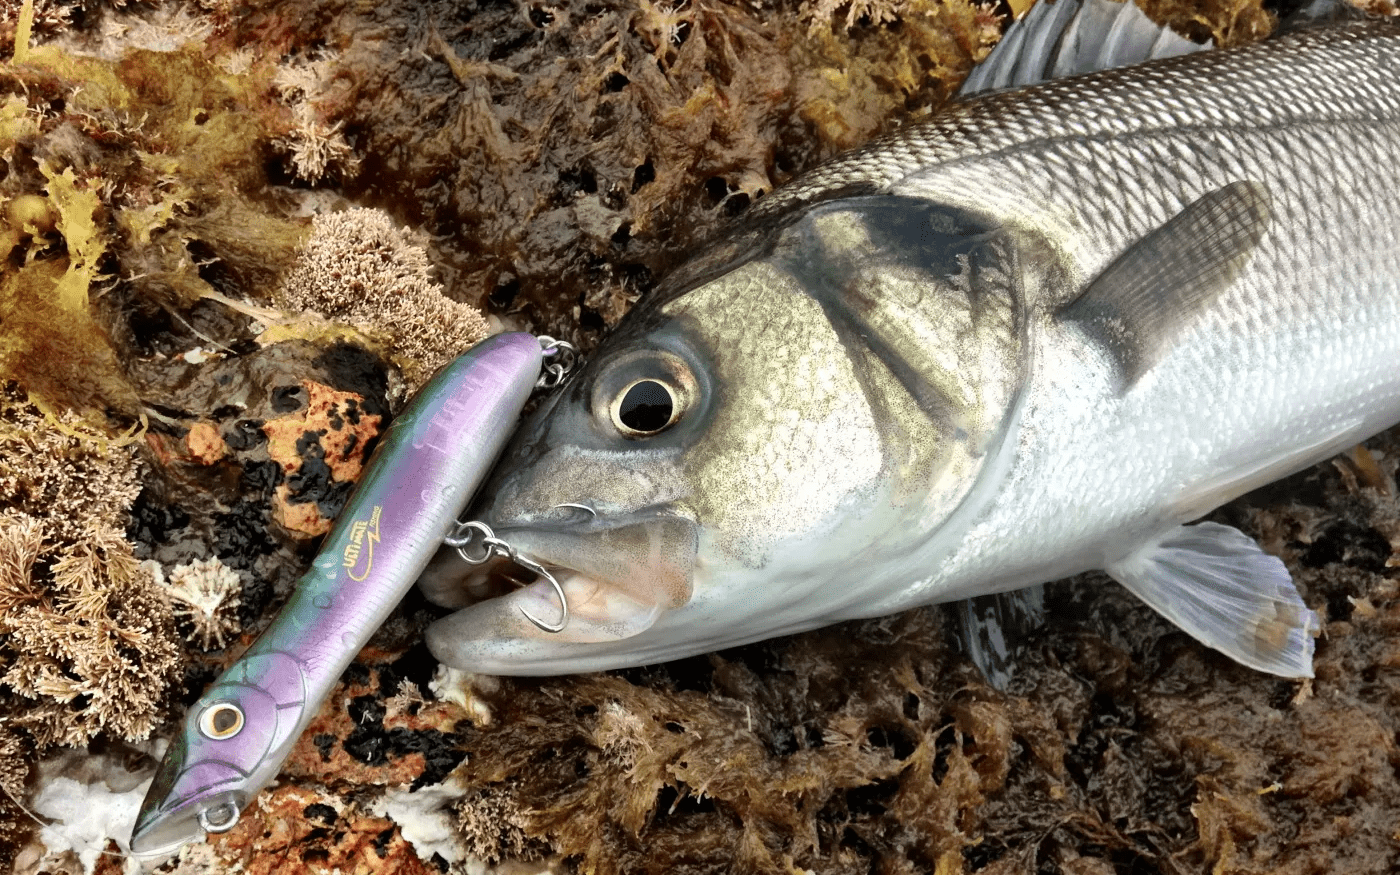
{"type": "Point", "coordinates": [358, 267]}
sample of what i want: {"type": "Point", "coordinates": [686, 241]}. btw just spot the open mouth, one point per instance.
{"type": "Point", "coordinates": [591, 583]}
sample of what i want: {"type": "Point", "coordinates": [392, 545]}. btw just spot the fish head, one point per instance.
{"type": "Point", "coordinates": [230, 746]}
{"type": "Point", "coordinates": [755, 449]}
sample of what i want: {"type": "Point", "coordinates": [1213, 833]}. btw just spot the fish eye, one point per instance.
{"type": "Point", "coordinates": [644, 392]}
{"type": "Point", "coordinates": [645, 408]}
{"type": "Point", "coordinates": [221, 720]}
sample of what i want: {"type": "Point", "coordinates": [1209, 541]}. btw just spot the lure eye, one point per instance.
{"type": "Point", "coordinates": [221, 720]}
{"type": "Point", "coordinates": [644, 408]}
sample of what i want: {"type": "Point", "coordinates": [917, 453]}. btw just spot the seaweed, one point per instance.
{"type": "Point", "coordinates": [562, 157]}
{"type": "Point", "coordinates": [358, 268]}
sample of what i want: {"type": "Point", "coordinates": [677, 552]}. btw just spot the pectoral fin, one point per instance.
{"type": "Point", "coordinates": [1142, 301]}
{"type": "Point", "coordinates": [1217, 585]}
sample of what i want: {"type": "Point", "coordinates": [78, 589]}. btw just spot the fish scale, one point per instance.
{"type": "Point", "coordinates": [1334, 76]}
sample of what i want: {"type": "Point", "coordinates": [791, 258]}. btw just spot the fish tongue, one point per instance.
{"type": "Point", "coordinates": [598, 611]}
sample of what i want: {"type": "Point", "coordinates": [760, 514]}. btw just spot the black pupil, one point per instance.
{"type": "Point", "coordinates": [646, 407]}
{"type": "Point", "coordinates": [224, 720]}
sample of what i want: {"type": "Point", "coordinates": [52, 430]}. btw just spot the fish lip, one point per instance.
{"type": "Point", "coordinates": [620, 571]}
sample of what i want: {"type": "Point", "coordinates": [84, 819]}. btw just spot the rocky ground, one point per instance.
{"type": "Point", "coordinates": [194, 369]}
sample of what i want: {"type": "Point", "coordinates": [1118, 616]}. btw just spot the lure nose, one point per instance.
{"type": "Point", "coordinates": [179, 806]}
{"type": "Point", "coordinates": [156, 831]}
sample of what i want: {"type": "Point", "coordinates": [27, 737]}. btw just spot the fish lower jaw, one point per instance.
{"type": "Point", "coordinates": [598, 611]}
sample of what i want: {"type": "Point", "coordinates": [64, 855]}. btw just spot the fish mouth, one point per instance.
{"type": "Point", "coordinates": [617, 579]}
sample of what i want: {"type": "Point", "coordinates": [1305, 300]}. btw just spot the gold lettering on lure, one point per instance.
{"type": "Point", "coordinates": [364, 534]}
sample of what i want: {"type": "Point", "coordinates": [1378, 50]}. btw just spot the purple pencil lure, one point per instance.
{"type": "Point", "coordinates": [431, 461]}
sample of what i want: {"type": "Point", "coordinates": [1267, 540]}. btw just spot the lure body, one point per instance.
{"type": "Point", "coordinates": [431, 461]}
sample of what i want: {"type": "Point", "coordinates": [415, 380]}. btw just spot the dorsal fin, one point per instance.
{"type": "Point", "coordinates": [1070, 37]}
{"type": "Point", "coordinates": [1302, 14]}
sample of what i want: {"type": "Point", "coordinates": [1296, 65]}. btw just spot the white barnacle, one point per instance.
{"type": "Point", "coordinates": [207, 593]}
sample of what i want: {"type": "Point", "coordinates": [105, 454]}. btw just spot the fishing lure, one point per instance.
{"type": "Point", "coordinates": [431, 461]}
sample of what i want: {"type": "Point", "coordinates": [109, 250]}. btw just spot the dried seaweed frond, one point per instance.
{"type": "Point", "coordinates": [74, 485]}
{"type": "Point", "coordinates": [494, 826]}
{"type": "Point", "coordinates": [88, 641]}
{"type": "Point", "coordinates": [872, 12]}
{"type": "Point", "coordinates": [621, 735]}
{"type": "Point", "coordinates": [15, 757]}
{"type": "Point", "coordinates": [207, 593]}
{"type": "Point", "coordinates": [315, 145]}
{"type": "Point", "coordinates": [359, 268]}
{"type": "Point", "coordinates": [317, 149]}
{"type": "Point", "coordinates": [21, 543]}
{"type": "Point", "coordinates": [97, 653]}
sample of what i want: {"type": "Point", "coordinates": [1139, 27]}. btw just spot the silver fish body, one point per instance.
{"type": "Point", "coordinates": [1029, 338]}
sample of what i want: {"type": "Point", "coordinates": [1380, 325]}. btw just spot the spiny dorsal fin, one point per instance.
{"type": "Point", "coordinates": [1068, 38]}
{"type": "Point", "coordinates": [1317, 13]}
{"type": "Point", "coordinates": [1141, 301]}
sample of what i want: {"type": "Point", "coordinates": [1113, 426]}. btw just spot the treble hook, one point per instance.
{"type": "Point", "coordinates": [462, 538]}
{"type": "Point", "coordinates": [563, 357]}
{"type": "Point", "coordinates": [576, 506]}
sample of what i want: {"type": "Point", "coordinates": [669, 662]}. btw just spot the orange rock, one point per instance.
{"type": "Point", "coordinates": [299, 517]}
{"type": "Point", "coordinates": [327, 414]}
{"type": "Point", "coordinates": [343, 432]}
{"type": "Point", "coordinates": [205, 444]}
{"type": "Point", "coordinates": [281, 832]}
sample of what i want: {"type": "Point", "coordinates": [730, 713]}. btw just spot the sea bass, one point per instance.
{"type": "Point", "coordinates": [1037, 335]}
{"type": "Point", "coordinates": [430, 462]}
